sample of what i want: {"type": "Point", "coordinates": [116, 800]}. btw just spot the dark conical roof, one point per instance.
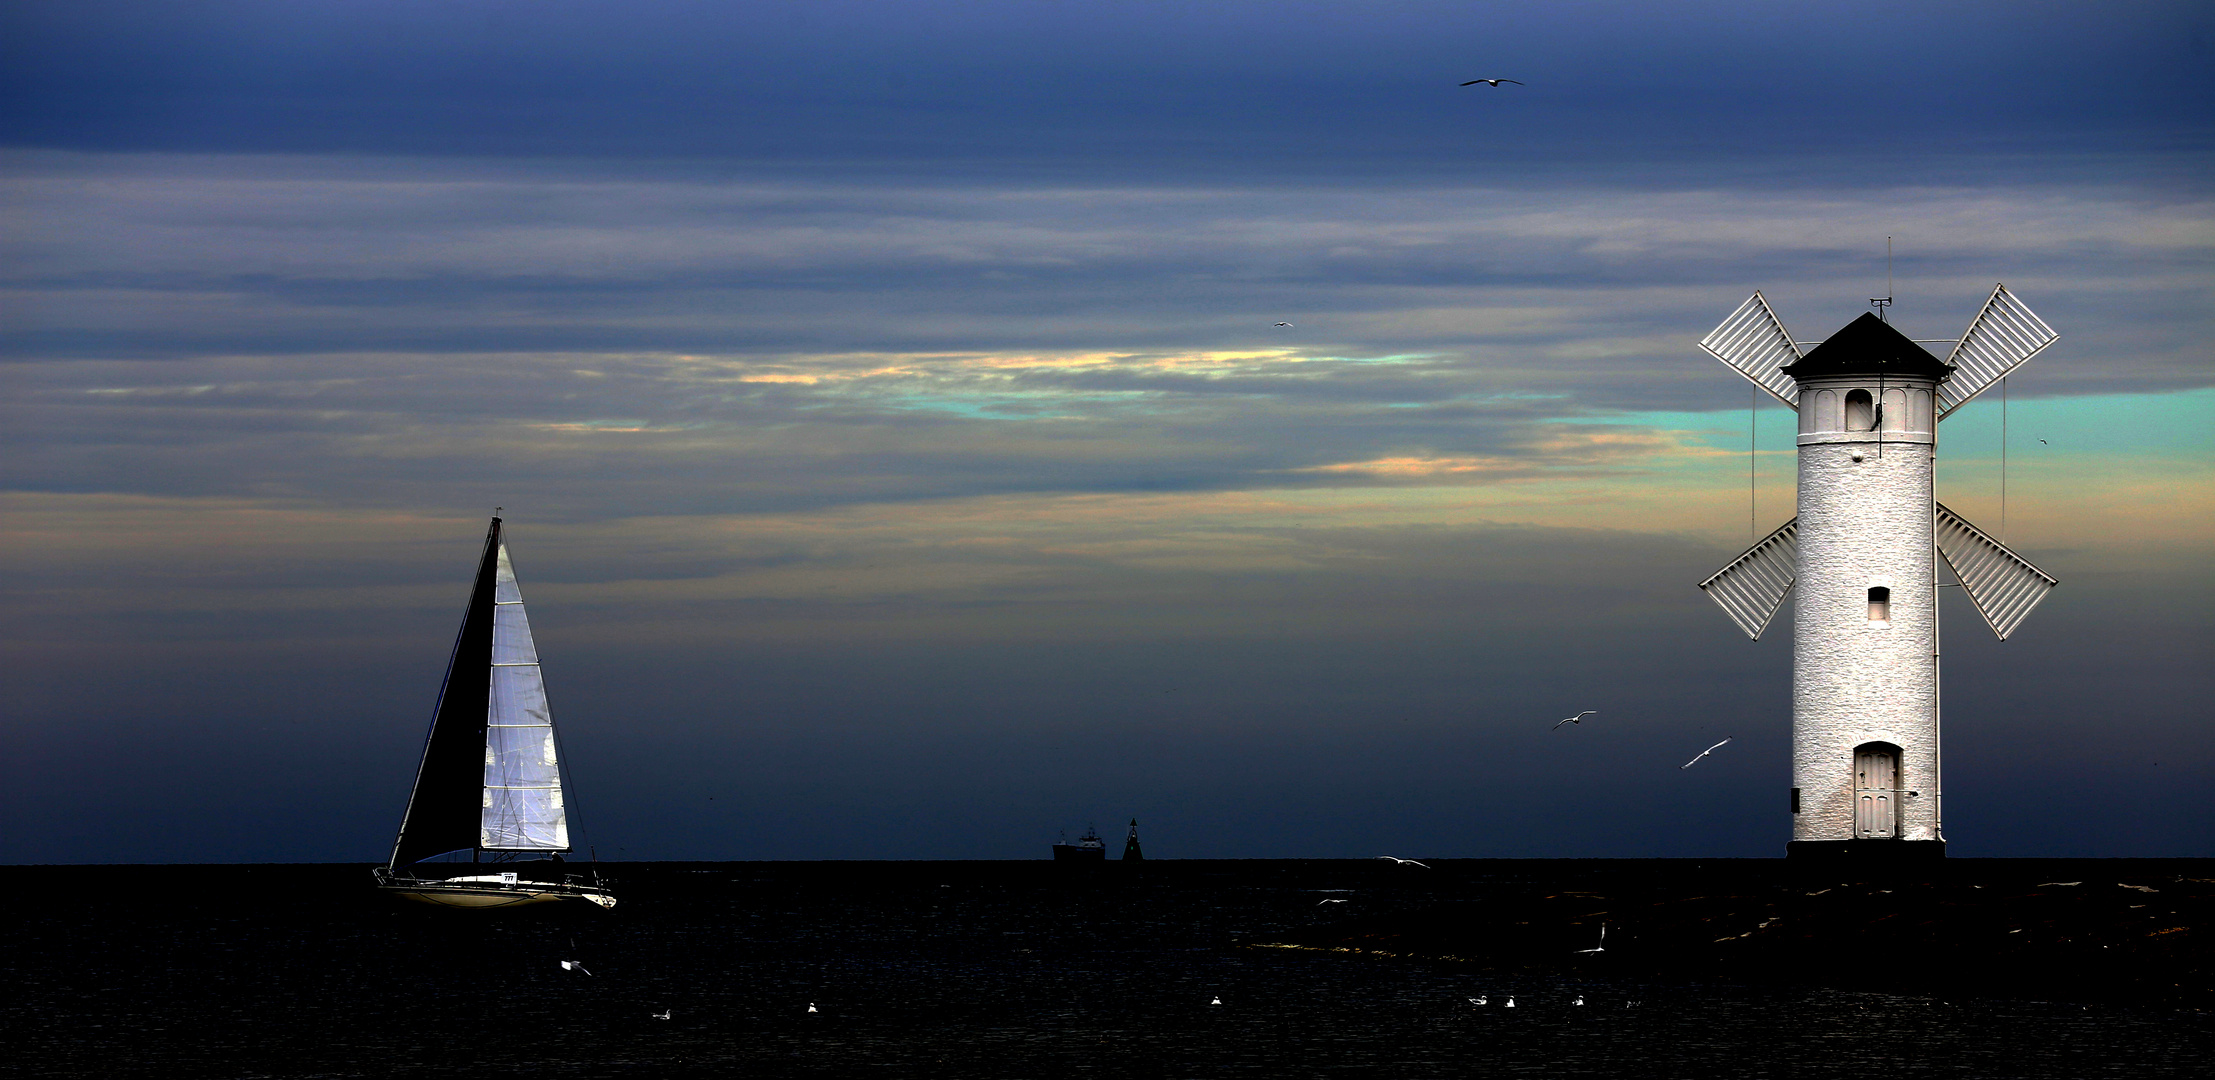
{"type": "Point", "coordinates": [1868, 346]}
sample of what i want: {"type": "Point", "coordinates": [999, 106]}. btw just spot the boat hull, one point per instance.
{"type": "Point", "coordinates": [495, 894]}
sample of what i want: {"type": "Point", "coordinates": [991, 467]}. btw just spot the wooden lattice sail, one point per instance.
{"type": "Point", "coordinates": [2004, 586]}
{"type": "Point", "coordinates": [2005, 333]}
{"type": "Point", "coordinates": [1751, 587]}
{"type": "Point", "coordinates": [1755, 344]}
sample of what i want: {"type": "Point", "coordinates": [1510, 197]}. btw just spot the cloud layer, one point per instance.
{"type": "Point", "coordinates": [909, 455]}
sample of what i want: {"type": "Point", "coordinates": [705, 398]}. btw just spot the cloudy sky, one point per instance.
{"type": "Point", "coordinates": [902, 460]}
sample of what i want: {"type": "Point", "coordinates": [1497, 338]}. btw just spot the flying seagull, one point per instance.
{"type": "Point", "coordinates": [574, 965]}
{"type": "Point", "coordinates": [1398, 861]}
{"type": "Point", "coordinates": [1288, 324]}
{"type": "Point", "coordinates": [1577, 719]}
{"type": "Point", "coordinates": [1602, 947]}
{"type": "Point", "coordinates": [1704, 753]}
{"type": "Point", "coordinates": [1494, 83]}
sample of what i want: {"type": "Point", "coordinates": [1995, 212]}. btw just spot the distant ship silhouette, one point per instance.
{"type": "Point", "coordinates": [1088, 848]}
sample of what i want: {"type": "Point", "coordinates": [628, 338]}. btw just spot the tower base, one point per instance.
{"type": "Point", "coordinates": [1865, 852]}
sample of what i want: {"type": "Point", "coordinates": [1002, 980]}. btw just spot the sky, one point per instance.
{"type": "Point", "coordinates": [902, 458]}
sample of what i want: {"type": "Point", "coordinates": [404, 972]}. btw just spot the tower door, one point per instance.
{"type": "Point", "coordinates": [1876, 792]}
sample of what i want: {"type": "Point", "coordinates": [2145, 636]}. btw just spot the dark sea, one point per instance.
{"type": "Point", "coordinates": [930, 969]}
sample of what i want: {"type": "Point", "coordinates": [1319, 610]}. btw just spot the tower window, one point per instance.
{"type": "Point", "coordinates": [1861, 411]}
{"type": "Point", "coordinates": [1880, 605]}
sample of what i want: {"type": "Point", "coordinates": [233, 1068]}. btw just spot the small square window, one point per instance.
{"type": "Point", "coordinates": [1880, 604]}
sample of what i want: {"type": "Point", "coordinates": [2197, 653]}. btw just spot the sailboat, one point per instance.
{"type": "Point", "coordinates": [490, 784]}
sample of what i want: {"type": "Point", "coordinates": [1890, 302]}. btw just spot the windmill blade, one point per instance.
{"type": "Point", "coordinates": [2003, 335]}
{"type": "Point", "coordinates": [1754, 343]}
{"type": "Point", "coordinates": [1753, 585]}
{"type": "Point", "coordinates": [2003, 585]}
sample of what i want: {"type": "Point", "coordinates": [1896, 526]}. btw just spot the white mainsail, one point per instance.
{"type": "Point", "coordinates": [522, 795]}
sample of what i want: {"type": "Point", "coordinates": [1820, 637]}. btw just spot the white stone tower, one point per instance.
{"type": "Point", "coordinates": [1864, 552]}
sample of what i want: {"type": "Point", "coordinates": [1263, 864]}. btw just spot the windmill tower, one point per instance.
{"type": "Point", "coordinates": [1864, 551]}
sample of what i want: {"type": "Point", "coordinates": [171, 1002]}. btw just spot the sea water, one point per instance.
{"type": "Point", "coordinates": [924, 969]}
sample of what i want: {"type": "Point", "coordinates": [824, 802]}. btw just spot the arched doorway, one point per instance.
{"type": "Point", "coordinates": [1876, 791]}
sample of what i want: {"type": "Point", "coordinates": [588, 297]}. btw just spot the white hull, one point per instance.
{"type": "Point", "coordinates": [493, 893]}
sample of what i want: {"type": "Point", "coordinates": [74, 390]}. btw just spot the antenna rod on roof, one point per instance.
{"type": "Point", "coordinates": [1883, 302]}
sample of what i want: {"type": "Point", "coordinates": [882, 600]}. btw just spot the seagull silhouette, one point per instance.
{"type": "Point", "coordinates": [1492, 82]}
{"type": "Point", "coordinates": [662, 1015]}
{"type": "Point", "coordinates": [1288, 324]}
{"type": "Point", "coordinates": [574, 965]}
{"type": "Point", "coordinates": [1218, 1000]}
{"type": "Point", "coordinates": [1602, 947]}
{"type": "Point", "coordinates": [1577, 719]}
{"type": "Point", "coordinates": [811, 1006]}
{"type": "Point", "coordinates": [1479, 1000]}
{"type": "Point", "coordinates": [1398, 861]}
{"type": "Point", "coordinates": [1705, 753]}
{"type": "Point", "coordinates": [1510, 1002]}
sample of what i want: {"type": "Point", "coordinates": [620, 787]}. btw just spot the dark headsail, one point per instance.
{"type": "Point", "coordinates": [443, 813]}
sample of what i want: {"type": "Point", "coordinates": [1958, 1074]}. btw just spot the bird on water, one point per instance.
{"type": "Point", "coordinates": [1492, 82]}
{"type": "Point", "coordinates": [1398, 861]}
{"type": "Point", "coordinates": [573, 965]}
{"type": "Point", "coordinates": [1577, 719]}
{"type": "Point", "coordinates": [1602, 946]}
